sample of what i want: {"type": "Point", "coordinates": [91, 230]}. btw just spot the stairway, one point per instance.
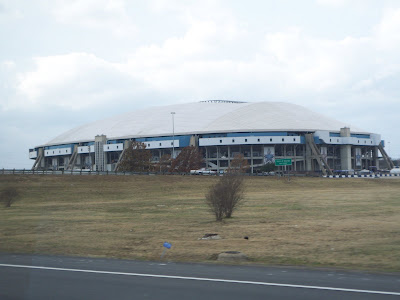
{"type": "Point", "coordinates": [37, 162]}
{"type": "Point", "coordinates": [72, 161]}
{"type": "Point", "coordinates": [326, 170]}
{"type": "Point", "coordinates": [386, 156]}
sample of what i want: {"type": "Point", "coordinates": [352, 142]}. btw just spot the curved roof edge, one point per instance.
{"type": "Point", "coordinates": [205, 117]}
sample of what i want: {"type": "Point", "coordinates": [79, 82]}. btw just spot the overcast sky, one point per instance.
{"type": "Point", "coordinates": [64, 63]}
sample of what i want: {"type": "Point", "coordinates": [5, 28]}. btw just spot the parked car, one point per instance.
{"type": "Point", "coordinates": [395, 170]}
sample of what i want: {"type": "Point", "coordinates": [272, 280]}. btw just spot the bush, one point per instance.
{"type": "Point", "coordinates": [8, 195]}
{"type": "Point", "coordinates": [224, 197]}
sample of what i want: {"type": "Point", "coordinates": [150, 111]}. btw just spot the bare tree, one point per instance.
{"type": "Point", "coordinates": [163, 165]}
{"type": "Point", "coordinates": [136, 158]}
{"type": "Point", "coordinates": [8, 195]}
{"type": "Point", "coordinates": [239, 164]}
{"type": "Point", "coordinates": [190, 158]}
{"type": "Point", "coordinates": [225, 196]}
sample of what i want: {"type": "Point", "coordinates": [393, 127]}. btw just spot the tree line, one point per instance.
{"type": "Point", "coordinates": [136, 158]}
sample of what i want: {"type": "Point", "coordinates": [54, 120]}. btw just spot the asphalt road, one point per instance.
{"type": "Point", "coordinates": [56, 277]}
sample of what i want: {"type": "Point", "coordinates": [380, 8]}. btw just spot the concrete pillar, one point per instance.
{"type": "Point", "coordinates": [375, 157]}
{"type": "Point", "coordinates": [99, 157]}
{"type": "Point", "coordinates": [251, 159]}
{"type": "Point", "coordinates": [308, 158]}
{"type": "Point", "coordinates": [42, 162]}
{"type": "Point", "coordinates": [345, 150]}
{"type": "Point", "coordinates": [229, 156]}
{"type": "Point", "coordinates": [217, 159]}
{"type": "Point", "coordinates": [194, 141]}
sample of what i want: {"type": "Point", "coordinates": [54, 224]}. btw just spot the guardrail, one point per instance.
{"type": "Point", "coordinates": [363, 176]}
{"type": "Point", "coordinates": [88, 172]}
{"type": "Point", "coordinates": [83, 172]}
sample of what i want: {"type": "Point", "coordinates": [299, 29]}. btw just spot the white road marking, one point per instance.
{"type": "Point", "coordinates": [205, 279]}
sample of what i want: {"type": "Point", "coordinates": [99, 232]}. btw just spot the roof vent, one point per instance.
{"type": "Point", "coordinates": [223, 101]}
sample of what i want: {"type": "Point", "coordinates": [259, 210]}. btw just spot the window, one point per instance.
{"type": "Point", "coordinates": [117, 147]}
{"type": "Point", "coordinates": [160, 144]}
{"type": "Point", "coordinates": [148, 145]}
{"type": "Point", "coordinates": [283, 140]}
{"type": "Point", "coordinates": [270, 140]}
{"type": "Point", "coordinates": [294, 139]}
{"type": "Point", "coordinates": [233, 140]}
{"type": "Point", "coordinates": [258, 140]}
{"type": "Point", "coordinates": [66, 151]}
{"type": "Point", "coordinates": [330, 140]}
{"type": "Point", "coordinates": [220, 141]}
{"type": "Point", "coordinates": [245, 140]}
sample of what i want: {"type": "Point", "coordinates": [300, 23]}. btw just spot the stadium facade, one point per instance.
{"type": "Point", "coordinates": [261, 131]}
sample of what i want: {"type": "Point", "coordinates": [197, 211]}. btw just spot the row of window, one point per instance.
{"type": "Point", "coordinates": [59, 152]}
{"type": "Point", "coordinates": [108, 148]}
{"type": "Point", "coordinates": [258, 140]}
{"type": "Point", "coordinates": [358, 141]}
{"type": "Point", "coordinates": [148, 145]}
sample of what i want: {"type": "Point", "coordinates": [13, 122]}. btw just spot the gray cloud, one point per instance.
{"type": "Point", "coordinates": [80, 69]}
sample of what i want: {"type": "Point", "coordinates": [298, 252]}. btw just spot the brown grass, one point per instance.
{"type": "Point", "coordinates": [346, 223]}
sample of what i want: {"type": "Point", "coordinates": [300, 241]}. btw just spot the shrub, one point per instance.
{"type": "Point", "coordinates": [225, 196]}
{"type": "Point", "coordinates": [8, 195]}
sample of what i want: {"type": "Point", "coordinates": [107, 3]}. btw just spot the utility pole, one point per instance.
{"type": "Point", "coordinates": [173, 135]}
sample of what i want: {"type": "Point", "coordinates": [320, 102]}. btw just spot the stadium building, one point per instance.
{"type": "Point", "coordinates": [261, 131]}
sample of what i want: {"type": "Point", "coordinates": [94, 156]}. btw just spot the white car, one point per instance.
{"type": "Point", "coordinates": [396, 170]}
{"type": "Point", "coordinates": [202, 171]}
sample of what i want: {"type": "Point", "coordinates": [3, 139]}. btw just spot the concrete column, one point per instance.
{"type": "Point", "coordinates": [251, 159]}
{"type": "Point", "coordinates": [229, 156]}
{"type": "Point", "coordinates": [345, 150]}
{"type": "Point", "coordinates": [217, 159]}
{"type": "Point", "coordinates": [194, 141]}
{"type": "Point", "coordinates": [99, 155]}
{"type": "Point", "coordinates": [375, 157]}
{"type": "Point", "coordinates": [308, 158]}
{"type": "Point", "coordinates": [42, 163]}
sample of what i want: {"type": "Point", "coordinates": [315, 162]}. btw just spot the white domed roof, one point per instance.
{"type": "Point", "coordinates": [204, 117]}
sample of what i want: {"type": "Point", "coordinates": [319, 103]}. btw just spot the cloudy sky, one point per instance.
{"type": "Point", "coordinates": [64, 63]}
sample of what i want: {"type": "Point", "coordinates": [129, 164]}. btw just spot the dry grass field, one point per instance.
{"type": "Point", "coordinates": [345, 223]}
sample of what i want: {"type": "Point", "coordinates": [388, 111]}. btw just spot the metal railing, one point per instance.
{"type": "Point", "coordinates": [88, 172]}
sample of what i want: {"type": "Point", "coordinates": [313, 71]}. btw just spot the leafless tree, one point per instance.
{"type": "Point", "coordinates": [8, 195]}
{"type": "Point", "coordinates": [225, 196]}
{"type": "Point", "coordinates": [136, 158]}
{"type": "Point", "coordinates": [164, 163]}
{"type": "Point", "coordinates": [239, 164]}
{"type": "Point", "coordinates": [190, 158]}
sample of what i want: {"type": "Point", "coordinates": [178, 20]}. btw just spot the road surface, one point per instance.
{"type": "Point", "coordinates": [57, 277]}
